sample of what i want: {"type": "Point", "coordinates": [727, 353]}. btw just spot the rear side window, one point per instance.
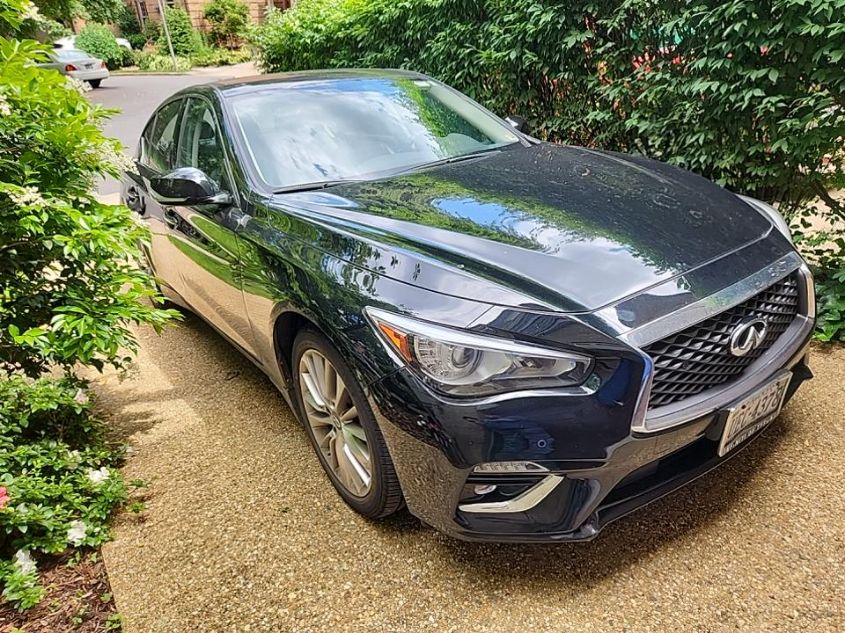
{"type": "Point", "coordinates": [158, 145]}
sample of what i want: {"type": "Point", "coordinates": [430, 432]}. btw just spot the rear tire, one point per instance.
{"type": "Point", "coordinates": [342, 428]}
{"type": "Point", "coordinates": [95, 83]}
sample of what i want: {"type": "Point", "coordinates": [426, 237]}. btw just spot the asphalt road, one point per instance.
{"type": "Point", "coordinates": [137, 96]}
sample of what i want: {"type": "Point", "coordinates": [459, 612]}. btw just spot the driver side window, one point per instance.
{"type": "Point", "coordinates": [200, 144]}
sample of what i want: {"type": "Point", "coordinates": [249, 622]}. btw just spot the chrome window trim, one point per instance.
{"type": "Point", "coordinates": [714, 304]}
{"type": "Point", "coordinates": [791, 345]}
{"type": "Point", "coordinates": [520, 503]}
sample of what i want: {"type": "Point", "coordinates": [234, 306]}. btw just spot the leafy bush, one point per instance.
{"type": "Point", "coordinates": [820, 238]}
{"type": "Point", "coordinates": [220, 57]}
{"type": "Point", "coordinates": [136, 40]}
{"type": "Point", "coordinates": [69, 294]}
{"type": "Point", "coordinates": [59, 484]}
{"type": "Point", "coordinates": [150, 62]}
{"type": "Point", "coordinates": [152, 30]}
{"type": "Point", "coordinates": [749, 93]}
{"type": "Point", "coordinates": [313, 34]}
{"type": "Point", "coordinates": [127, 22]}
{"type": "Point", "coordinates": [229, 20]}
{"type": "Point", "coordinates": [185, 39]}
{"type": "Point", "coordinates": [99, 41]}
{"type": "Point", "coordinates": [102, 11]}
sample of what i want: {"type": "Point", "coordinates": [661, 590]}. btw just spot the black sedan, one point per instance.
{"type": "Point", "coordinates": [519, 340]}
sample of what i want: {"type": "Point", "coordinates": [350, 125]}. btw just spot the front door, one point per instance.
{"type": "Point", "coordinates": [205, 235]}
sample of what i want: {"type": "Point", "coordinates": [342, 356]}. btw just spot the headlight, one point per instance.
{"type": "Point", "coordinates": [466, 364]}
{"type": "Point", "coordinates": [770, 212]}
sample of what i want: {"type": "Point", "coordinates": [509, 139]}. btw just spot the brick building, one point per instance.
{"type": "Point", "coordinates": [149, 9]}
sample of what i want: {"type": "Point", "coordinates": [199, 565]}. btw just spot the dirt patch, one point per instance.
{"type": "Point", "coordinates": [78, 599]}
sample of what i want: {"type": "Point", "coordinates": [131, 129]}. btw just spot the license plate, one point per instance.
{"type": "Point", "coordinates": [752, 414]}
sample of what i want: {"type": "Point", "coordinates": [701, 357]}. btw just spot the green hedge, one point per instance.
{"type": "Point", "coordinates": [99, 41]}
{"type": "Point", "coordinates": [749, 93]}
{"type": "Point", "coordinates": [185, 38]}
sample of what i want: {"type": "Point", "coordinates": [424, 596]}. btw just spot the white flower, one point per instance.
{"type": "Point", "coordinates": [24, 562]}
{"type": "Point", "coordinates": [30, 12]}
{"type": "Point", "coordinates": [109, 154]}
{"type": "Point", "coordinates": [76, 532]}
{"type": "Point", "coordinates": [81, 397]}
{"type": "Point", "coordinates": [75, 84]}
{"type": "Point", "coordinates": [5, 108]}
{"type": "Point", "coordinates": [27, 197]}
{"type": "Point", "coordinates": [98, 476]}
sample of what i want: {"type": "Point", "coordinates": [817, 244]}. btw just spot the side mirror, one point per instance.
{"type": "Point", "coordinates": [187, 186]}
{"type": "Point", "coordinates": [516, 122]}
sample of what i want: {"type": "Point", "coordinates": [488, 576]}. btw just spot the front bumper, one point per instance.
{"type": "Point", "coordinates": [599, 476]}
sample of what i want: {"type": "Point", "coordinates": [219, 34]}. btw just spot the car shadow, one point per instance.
{"type": "Point", "coordinates": [623, 543]}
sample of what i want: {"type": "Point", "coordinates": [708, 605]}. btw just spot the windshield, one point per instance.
{"type": "Point", "coordinates": [352, 128]}
{"type": "Point", "coordinates": [69, 54]}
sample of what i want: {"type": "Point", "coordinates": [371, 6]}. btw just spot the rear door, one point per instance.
{"type": "Point", "coordinates": [206, 235]}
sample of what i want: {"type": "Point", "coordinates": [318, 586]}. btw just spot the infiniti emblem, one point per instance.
{"type": "Point", "coordinates": [748, 336]}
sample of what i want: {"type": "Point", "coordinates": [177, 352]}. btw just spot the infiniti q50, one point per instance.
{"type": "Point", "coordinates": [520, 341]}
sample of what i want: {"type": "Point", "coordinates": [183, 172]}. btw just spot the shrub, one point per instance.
{"type": "Point", "coordinates": [152, 31]}
{"type": "Point", "coordinates": [229, 20]}
{"type": "Point", "coordinates": [136, 40]}
{"type": "Point", "coordinates": [820, 237]}
{"type": "Point", "coordinates": [749, 93]}
{"type": "Point", "coordinates": [59, 482]}
{"type": "Point", "coordinates": [127, 22]}
{"type": "Point", "coordinates": [220, 57]}
{"type": "Point", "coordinates": [98, 40]}
{"type": "Point", "coordinates": [185, 39]}
{"type": "Point", "coordinates": [150, 62]}
{"type": "Point", "coordinates": [69, 295]}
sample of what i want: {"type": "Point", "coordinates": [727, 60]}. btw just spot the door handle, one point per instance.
{"type": "Point", "coordinates": [135, 201]}
{"type": "Point", "coordinates": [235, 219]}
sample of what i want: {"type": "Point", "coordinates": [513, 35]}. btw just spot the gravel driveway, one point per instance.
{"type": "Point", "coordinates": [244, 533]}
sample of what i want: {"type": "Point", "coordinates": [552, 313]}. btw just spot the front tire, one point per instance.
{"type": "Point", "coordinates": [343, 431]}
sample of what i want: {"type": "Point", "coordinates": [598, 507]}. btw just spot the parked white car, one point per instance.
{"type": "Point", "coordinates": [79, 65]}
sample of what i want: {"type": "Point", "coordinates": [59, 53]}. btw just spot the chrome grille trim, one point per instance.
{"type": "Point", "coordinates": [786, 352]}
{"type": "Point", "coordinates": [698, 358]}
{"type": "Point", "coordinates": [709, 306]}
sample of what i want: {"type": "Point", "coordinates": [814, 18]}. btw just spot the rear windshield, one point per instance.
{"type": "Point", "coordinates": [69, 55]}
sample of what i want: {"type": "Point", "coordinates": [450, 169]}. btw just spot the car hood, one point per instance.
{"type": "Point", "coordinates": [572, 228]}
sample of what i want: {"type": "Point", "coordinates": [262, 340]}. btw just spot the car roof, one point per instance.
{"type": "Point", "coordinates": [243, 85]}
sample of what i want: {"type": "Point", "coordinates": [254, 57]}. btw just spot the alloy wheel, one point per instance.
{"type": "Point", "coordinates": [334, 422]}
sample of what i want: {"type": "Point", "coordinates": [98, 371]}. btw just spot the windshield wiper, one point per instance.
{"type": "Point", "coordinates": [447, 161]}
{"type": "Point", "coordinates": [311, 186]}
{"type": "Point", "coordinates": [323, 184]}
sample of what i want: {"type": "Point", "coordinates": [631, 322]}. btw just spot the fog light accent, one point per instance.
{"type": "Point", "coordinates": [483, 489]}
{"type": "Point", "coordinates": [523, 502]}
{"type": "Point", "coordinates": [509, 467]}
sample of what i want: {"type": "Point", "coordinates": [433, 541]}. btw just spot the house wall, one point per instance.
{"type": "Point", "coordinates": [195, 9]}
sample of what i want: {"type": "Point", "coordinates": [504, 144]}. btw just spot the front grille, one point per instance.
{"type": "Point", "coordinates": [698, 358]}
